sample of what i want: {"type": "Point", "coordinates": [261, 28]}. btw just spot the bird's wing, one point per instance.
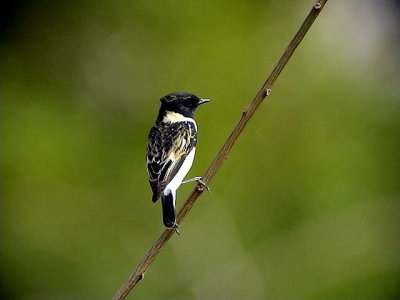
{"type": "Point", "coordinates": [168, 146]}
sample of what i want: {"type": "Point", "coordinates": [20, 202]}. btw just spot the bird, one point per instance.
{"type": "Point", "coordinates": [171, 148]}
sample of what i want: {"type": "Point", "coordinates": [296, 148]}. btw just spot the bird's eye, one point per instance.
{"type": "Point", "coordinates": [189, 103]}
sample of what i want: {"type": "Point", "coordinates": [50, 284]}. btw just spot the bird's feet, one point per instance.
{"type": "Point", "coordinates": [200, 182]}
{"type": "Point", "coordinates": [176, 227]}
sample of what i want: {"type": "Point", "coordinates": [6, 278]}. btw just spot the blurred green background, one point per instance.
{"type": "Point", "coordinates": [307, 204]}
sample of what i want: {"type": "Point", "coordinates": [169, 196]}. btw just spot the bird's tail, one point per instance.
{"type": "Point", "coordinates": [168, 209]}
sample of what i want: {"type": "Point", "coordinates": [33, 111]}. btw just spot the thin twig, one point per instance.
{"type": "Point", "coordinates": [140, 271]}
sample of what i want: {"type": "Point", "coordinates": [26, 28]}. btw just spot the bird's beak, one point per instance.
{"type": "Point", "coordinates": [202, 101]}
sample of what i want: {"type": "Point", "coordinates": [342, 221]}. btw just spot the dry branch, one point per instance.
{"type": "Point", "coordinates": [140, 271]}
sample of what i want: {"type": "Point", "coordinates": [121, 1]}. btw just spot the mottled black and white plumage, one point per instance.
{"type": "Point", "coordinates": [171, 148]}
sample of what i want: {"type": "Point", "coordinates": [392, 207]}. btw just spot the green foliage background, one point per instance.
{"type": "Point", "coordinates": [307, 204]}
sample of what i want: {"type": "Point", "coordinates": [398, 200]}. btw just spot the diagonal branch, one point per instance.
{"type": "Point", "coordinates": [140, 271]}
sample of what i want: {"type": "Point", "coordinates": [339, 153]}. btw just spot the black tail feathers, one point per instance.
{"type": "Point", "coordinates": [168, 210]}
{"type": "Point", "coordinates": [155, 197]}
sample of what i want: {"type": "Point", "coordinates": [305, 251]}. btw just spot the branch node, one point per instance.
{"type": "Point", "coordinates": [317, 6]}
{"type": "Point", "coordinates": [245, 112]}
{"type": "Point", "coordinates": [200, 187]}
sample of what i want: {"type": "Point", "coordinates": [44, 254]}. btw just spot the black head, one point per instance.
{"type": "Point", "coordinates": [182, 103]}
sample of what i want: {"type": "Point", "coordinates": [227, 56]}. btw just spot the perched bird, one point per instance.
{"type": "Point", "coordinates": [171, 148]}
